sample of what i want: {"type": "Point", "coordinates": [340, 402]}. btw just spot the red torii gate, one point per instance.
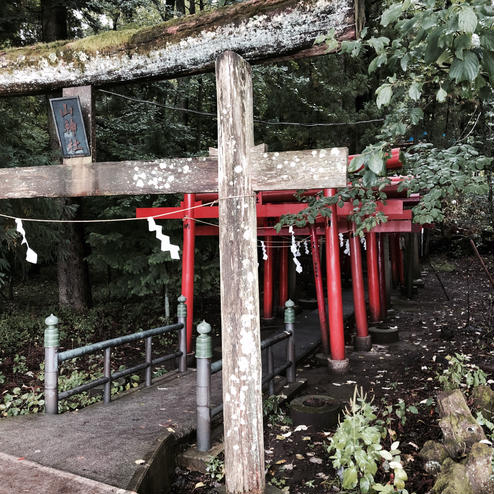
{"type": "Point", "coordinates": [273, 204]}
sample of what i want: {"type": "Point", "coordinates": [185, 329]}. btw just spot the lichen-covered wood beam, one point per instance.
{"type": "Point", "coordinates": [257, 29]}
{"type": "Point", "coordinates": [291, 169]}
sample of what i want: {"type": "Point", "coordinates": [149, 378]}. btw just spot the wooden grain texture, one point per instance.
{"type": "Point", "coordinates": [165, 176]}
{"type": "Point", "coordinates": [240, 321]}
{"type": "Point", "coordinates": [299, 169]}
{"type": "Point", "coordinates": [79, 177]}
{"type": "Point", "coordinates": [259, 30]}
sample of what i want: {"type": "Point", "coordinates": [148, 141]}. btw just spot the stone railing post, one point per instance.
{"type": "Point", "coordinates": [204, 352]}
{"type": "Point", "coordinates": [290, 351]}
{"type": "Point", "coordinates": [182, 335]}
{"type": "Point", "coordinates": [51, 365]}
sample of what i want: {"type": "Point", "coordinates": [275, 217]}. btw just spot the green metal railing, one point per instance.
{"type": "Point", "coordinates": [53, 358]}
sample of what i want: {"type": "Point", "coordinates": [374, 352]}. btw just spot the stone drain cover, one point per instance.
{"type": "Point", "coordinates": [318, 411]}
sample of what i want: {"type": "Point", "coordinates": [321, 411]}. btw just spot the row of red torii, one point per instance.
{"type": "Point", "coordinates": [270, 206]}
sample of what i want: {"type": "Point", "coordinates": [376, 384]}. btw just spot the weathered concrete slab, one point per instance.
{"type": "Point", "coordinates": [19, 475]}
{"type": "Point", "coordinates": [103, 443]}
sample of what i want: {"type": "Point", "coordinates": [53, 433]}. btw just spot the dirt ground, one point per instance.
{"type": "Point", "coordinates": [430, 328]}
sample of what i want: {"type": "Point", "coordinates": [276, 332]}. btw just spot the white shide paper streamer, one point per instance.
{"type": "Point", "coordinates": [295, 251]}
{"type": "Point", "coordinates": [264, 253]}
{"type": "Point", "coordinates": [31, 256]}
{"type": "Point", "coordinates": [165, 239]}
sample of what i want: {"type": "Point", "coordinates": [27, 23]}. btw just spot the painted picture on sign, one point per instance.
{"type": "Point", "coordinates": [67, 115]}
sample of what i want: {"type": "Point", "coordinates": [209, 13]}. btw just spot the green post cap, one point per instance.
{"type": "Point", "coordinates": [51, 331]}
{"type": "Point", "coordinates": [204, 347]}
{"type": "Point", "coordinates": [182, 307]}
{"type": "Point", "coordinates": [289, 311]}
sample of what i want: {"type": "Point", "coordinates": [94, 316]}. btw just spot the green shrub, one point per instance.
{"type": "Point", "coordinates": [357, 452]}
{"type": "Point", "coordinates": [460, 373]}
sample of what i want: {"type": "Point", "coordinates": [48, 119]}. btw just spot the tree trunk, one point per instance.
{"type": "Point", "coordinates": [72, 270]}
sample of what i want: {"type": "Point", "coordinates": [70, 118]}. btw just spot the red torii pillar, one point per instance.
{"type": "Point", "coordinates": [268, 279]}
{"type": "Point", "coordinates": [363, 341]}
{"type": "Point", "coordinates": [337, 363]}
{"type": "Point", "coordinates": [382, 276]}
{"type": "Point", "coordinates": [321, 306]}
{"type": "Point", "coordinates": [373, 277]}
{"type": "Point", "coordinates": [188, 264]}
{"type": "Point", "coordinates": [283, 275]}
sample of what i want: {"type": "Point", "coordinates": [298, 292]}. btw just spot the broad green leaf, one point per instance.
{"type": "Point", "coordinates": [433, 50]}
{"type": "Point", "coordinates": [391, 14]}
{"type": "Point", "coordinates": [404, 62]}
{"type": "Point", "coordinates": [462, 42]}
{"type": "Point", "coordinates": [331, 44]}
{"type": "Point", "coordinates": [349, 478]}
{"type": "Point", "coordinates": [441, 95]}
{"type": "Point", "coordinates": [376, 162]}
{"type": "Point", "coordinates": [379, 43]}
{"type": "Point", "coordinates": [466, 69]}
{"type": "Point", "coordinates": [386, 455]}
{"type": "Point", "coordinates": [416, 115]}
{"type": "Point", "coordinates": [414, 91]}
{"type": "Point", "coordinates": [364, 485]}
{"type": "Point", "coordinates": [377, 62]}
{"type": "Point", "coordinates": [356, 163]}
{"type": "Point", "coordinates": [384, 94]}
{"type": "Point", "coordinates": [467, 20]}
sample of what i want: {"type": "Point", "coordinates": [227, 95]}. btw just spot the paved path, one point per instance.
{"type": "Point", "coordinates": [114, 444]}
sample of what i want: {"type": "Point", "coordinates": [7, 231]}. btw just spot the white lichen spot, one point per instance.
{"type": "Point", "coordinates": [243, 364]}
{"type": "Point", "coordinates": [322, 153]}
{"type": "Point", "coordinates": [162, 166]}
{"type": "Point", "coordinates": [82, 56]}
{"type": "Point", "coordinates": [52, 57]}
{"type": "Point", "coordinates": [335, 152]}
{"type": "Point", "coordinates": [186, 169]}
{"type": "Point", "coordinates": [314, 153]}
{"type": "Point", "coordinates": [236, 447]}
{"type": "Point", "coordinates": [238, 169]}
{"type": "Point", "coordinates": [279, 166]}
{"type": "Point", "coordinates": [140, 183]}
{"type": "Point", "coordinates": [250, 277]}
{"type": "Point", "coordinates": [247, 234]}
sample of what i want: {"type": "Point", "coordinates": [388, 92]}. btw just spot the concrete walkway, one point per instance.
{"type": "Point", "coordinates": [120, 445]}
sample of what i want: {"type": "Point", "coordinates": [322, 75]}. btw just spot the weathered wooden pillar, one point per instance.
{"type": "Point", "coordinates": [242, 393]}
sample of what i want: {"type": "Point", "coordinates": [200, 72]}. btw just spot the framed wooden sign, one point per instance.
{"type": "Point", "coordinates": [69, 123]}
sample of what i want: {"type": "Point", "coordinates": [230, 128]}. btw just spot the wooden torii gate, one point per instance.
{"type": "Point", "coordinates": [240, 169]}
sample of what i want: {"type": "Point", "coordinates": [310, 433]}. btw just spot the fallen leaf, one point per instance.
{"type": "Point", "coordinates": [280, 462]}
{"type": "Point", "coordinates": [306, 438]}
{"type": "Point", "coordinates": [299, 456]}
{"type": "Point", "coordinates": [199, 484]}
{"type": "Point", "coordinates": [139, 462]}
{"type": "Point", "coordinates": [288, 466]}
{"type": "Point", "coordinates": [170, 429]}
{"type": "Point", "coordinates": [316, 460]}
{"type": "Point", "coordinates": [300, 428]}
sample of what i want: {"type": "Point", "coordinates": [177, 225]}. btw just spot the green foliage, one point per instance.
{"type": "Point", "coordinates": [21, 401]}
{"type": "Point", "coordinates": [398, 411]}
{"type": "Point", "coordinates": [357, 451]}
{"type": "Point", "coordinates": [20, 366]}
{"type": "Point", "coordinates": [460, 373]}
{"type": "Point", "coordinates": [452, 174]}
{"type": "Point", "coordinates": [215, 468]}
{"type": "Point", "coordinates": [273, 412]}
